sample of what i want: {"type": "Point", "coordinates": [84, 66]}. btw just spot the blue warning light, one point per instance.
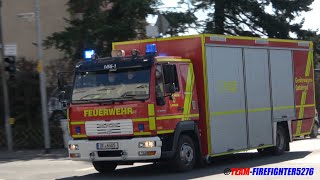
{"type": "Point", "coordinates": [88, 54]}
{"type": "Point", "coordinates": [151, 48]}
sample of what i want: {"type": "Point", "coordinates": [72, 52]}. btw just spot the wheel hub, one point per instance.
{"type": "Point", "coordinates": [186, 153]}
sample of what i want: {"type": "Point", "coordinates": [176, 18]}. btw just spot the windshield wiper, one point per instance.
{"type": "Point", "coordinates": [81, 101]}
{"type": "Point", "coordinates": [135, 97]}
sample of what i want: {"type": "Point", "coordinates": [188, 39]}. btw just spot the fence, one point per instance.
{"type": "Point", "coordinates": [32, 137]}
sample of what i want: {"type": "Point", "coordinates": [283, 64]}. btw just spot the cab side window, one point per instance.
{"type": "Point", "coordinates": [159, 81]}
{"type": "Point", "coordinates": [159, 86]}
{"type": "Point", "coordinates": [175, 77]}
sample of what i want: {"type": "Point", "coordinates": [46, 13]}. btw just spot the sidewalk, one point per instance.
{"type": "Point", "coordinates": [32, 154]}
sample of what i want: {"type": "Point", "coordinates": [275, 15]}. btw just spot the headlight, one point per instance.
{"type": "Point", "coordinates": [73, 147]}
{"type": "Point", "coordinates": [147, 144]}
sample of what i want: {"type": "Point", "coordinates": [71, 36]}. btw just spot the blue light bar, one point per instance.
{"type": "Point", "coordinates": [151, 48]}
{"type": "Point", "coordinates": [88, 54]}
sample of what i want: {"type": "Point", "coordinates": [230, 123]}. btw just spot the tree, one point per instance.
{"type": "Point", "coordinates": [271, 18]}
{"type": "Point", "coordinates": [179, 22]}
{"type": "Point", "coordinates": [102, 22]}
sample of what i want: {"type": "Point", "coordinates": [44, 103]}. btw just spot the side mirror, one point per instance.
{"type": "Point", "coordinates": [62, 96]}
{"type": "Point", "coordinates": [65, 79]}
{"type": "Point", "coordinates": [60, 82]}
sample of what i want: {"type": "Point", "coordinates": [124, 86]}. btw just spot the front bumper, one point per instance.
{"type": "Point", "coordinates": [128, 148]}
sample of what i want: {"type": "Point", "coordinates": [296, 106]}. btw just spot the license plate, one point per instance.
{"type": "Point", "coordinates": [109, 145]}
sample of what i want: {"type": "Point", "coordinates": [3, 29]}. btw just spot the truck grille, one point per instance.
{"type": "Point", "coordinates": [109, 128]}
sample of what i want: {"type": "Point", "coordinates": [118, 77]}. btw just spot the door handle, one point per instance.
{"type": "Point", "coordinates": [180, 108]}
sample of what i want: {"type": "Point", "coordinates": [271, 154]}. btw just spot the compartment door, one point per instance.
{"type": "Point", "coordinates": [226, 99]}
{"type": "Point", "coordinates": [282, 84]}
{"type": "Point", "coordinates": [258, 97]}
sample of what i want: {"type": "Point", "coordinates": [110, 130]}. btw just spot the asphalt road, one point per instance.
{"type": "Point", "coordinates": [304, 154]}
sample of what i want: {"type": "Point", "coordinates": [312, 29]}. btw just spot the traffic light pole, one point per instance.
{"type": "Point", "coordinates": [42, 77]}
{"type": "Point", "coordinates": [5, 88]}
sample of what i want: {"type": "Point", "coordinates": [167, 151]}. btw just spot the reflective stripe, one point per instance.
{"type": "Point", "coordinates": [140, 119]}
{"type": "Point", "coordinates": [232, 152]}
{"type": "Point", "coordinates": [152, 120]}
{"type": "Point", "coordinates": [79, 136]}
{"type": "Point", "coordinates": [152, 123]}
{"type": "Point", "coordinates": [177, 116]}
{"type": "Point", "coordinates": [151, 109]}
{"type": "Point", "coordinates": [307, 105]}
{"type": "Point", "coordinates": [165, 131]}
{"type": "Point", "coordinates": [188, 92]}
{"type": "Point", "coordinates": [249, 110]}
{"type": "Point", "coordinates": [227, 112]}
{"type": "Point", "coordinates": [142, 133]}
{"type": "Point", "coordinates": [77, 123]}
{"type": "Point", "coordinates": [304, 94]}
{"type": "Point", "coordinates": [308, 67]}
{"type": "Point", "coordinates": [283, 107]}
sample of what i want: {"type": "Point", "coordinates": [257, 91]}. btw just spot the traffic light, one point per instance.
{"type": "Point", "coordinates": [10, 65]}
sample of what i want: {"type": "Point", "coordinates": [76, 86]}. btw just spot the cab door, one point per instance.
{"type": "Point", "coordinates": [169, 109]}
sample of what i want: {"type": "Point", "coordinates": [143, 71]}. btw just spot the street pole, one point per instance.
{"type": "Point", "coordinates": [42, 78]}
{"type": "Point", "coordinates": [5, 88]}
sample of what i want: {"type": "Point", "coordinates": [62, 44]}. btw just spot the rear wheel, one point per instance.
{"type": "Point", "coordinates": [281, 141]}
{"type": "Point", "coordinates": [185, 155]}
{"type": "Point", "coordinates": [104, 166]}
{"type": "Point", "coordinates": [314, 131]}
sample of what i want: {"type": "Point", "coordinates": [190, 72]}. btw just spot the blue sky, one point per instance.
{"type": "Point", "coordinates": [312, 18]}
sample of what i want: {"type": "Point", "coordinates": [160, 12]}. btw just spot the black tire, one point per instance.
{"type": "Point", "coordinates": [282, 142]}
{"type": "Point", "coordinates": [104, 166]}
{"type": "Point", "coordinates": [185, 155]}
{"type": "Point", "coordinates": [314, 131]}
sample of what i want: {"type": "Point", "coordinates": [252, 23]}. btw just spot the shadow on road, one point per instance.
{"type": "Point", "coordinates": [27, 155]}
{"type": "Point", "coordinates": [160, 171]}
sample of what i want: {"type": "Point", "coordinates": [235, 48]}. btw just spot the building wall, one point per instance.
{"type": "Point", "coordinates": [23, 32]}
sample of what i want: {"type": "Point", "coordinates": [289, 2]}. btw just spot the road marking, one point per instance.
{"type": "Point", "coordinates": [84, 169]}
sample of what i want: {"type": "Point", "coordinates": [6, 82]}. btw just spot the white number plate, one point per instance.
{"type": "Point", "coordinates": [109, 145]}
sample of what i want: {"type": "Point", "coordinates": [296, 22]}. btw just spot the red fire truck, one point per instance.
{"type": "Point", "coordinates": [186, 99]}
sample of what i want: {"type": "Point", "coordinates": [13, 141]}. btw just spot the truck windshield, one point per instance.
{"type": "Point", "coordinates": [112, 85]}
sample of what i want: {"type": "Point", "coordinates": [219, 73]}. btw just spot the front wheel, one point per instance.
{"type": "Point", "coordinates": [314, 131]}
{"type": "Point", "coordinates": [104, 166]}
{"type": "Point", "coordinates": [185, 155]}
